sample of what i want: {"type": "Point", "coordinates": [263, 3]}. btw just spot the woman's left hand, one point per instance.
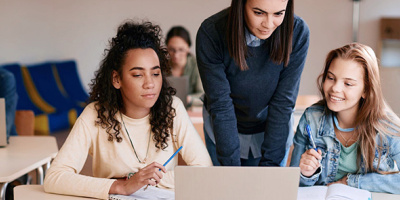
{"type": "Point", "coordinates": [342, 181]}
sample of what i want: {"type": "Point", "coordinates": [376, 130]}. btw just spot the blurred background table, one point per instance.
{"type": "Point", "coordinates": [23, 155]}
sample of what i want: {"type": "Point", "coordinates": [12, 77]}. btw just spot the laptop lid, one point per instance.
{"type": "Point", "coordinates": [3, 129]}
{"type": "Point", "coordinates": [216, 183]}
{"type": "Point", "coordinates": [181, 84]}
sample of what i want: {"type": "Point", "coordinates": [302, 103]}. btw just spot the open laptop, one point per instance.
{"type": "Point", "coordinates": [181, 84]}
{"type": "Point", "coordinates": [3, 129]}
{"type": "Point", "coordinates": [216, 183]}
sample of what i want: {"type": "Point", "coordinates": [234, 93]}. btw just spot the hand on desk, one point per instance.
{"type": "Point", "coordinates": [309, 162]}
{"type": "Point", "coordinates": [149, 175]}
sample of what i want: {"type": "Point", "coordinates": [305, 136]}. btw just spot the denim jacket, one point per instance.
{"type": "Point", "coordinates": [322, 128]}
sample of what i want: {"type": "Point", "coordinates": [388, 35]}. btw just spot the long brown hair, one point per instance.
{"type": "Point", "coordinates": [132, 35]}
{"type": "Point", "coordinates": [374, 115]}
{"type": "Point", "coordinates": [280, 41]}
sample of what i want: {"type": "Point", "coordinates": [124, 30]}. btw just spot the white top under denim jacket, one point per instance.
{"type": "Point", "coordinates": [321, 124]}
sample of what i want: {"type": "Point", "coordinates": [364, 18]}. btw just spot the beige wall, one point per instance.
{"type": "Point", "coordinates": [330, 24]}
{"type": "Point", "coordinates": [40, 30]}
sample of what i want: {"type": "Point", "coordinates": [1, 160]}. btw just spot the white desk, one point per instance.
{"type": "Point", "coordinates": [23, 155]}
{"type": "Point", "coordinates": [28, 192]}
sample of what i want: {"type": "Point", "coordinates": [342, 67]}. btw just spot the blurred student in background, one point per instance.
{"type": "Point", "coordinates": [183, 63]}
{"type": "Point", "coordinates": [8, 91]}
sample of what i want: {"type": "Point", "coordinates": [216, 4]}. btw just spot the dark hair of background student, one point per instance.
{"type": "Point", "coordinates": [280, 41]}
{"type": "Point", "coordinates": [130, 36]}
{"type": "Point", "coordinates": [180, 32]}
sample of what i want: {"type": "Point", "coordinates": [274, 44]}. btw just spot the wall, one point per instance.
{"type": "Point", "coordinates": [39, 30]}
{"type": "Point", "coordinates": [330, 24]}
{"type": "Point", "coordinates": [371, 13]}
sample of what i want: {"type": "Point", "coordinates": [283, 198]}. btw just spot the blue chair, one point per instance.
{"type": "Point", "coordinates": [68, 75]}
{"type": "Point", "coordinates": [41, 89]}
{"type": "Point", "coordinates": [43, 77]}
{"type": "Point", "coordinates": [24, 100]}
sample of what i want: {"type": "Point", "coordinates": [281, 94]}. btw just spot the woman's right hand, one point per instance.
{"type": "Point", "coordinates": [149, 175]}
{"type": "Point", "coordinates": [309, 162]}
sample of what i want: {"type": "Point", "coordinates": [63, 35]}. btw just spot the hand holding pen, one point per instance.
{"type": "Point", "coordinates": [310, 160]}
{"type": "Point", "coordinates": [149, 175]}
{"type": "Point", "coordinates": [169, 159]}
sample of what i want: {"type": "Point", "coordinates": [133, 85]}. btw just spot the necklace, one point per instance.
{"type": "Point", "coordinates": [343, 130]}
{"type": "Point", "coordinates": [346, 141]}
{"type": "Point", "coordinates": [145, 158]}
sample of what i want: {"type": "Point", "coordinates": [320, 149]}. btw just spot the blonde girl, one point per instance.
{"type": "Point", "coordinates": [355, 131]}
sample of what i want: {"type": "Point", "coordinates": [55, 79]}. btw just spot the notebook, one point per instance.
{"type": "Point", "coordinates": [3, 129]}
{"type": "Point", "coordinates": [181, 84]}
{"type": "Point", "coordinates": [334, 191]}
{"type": "Point", "coordinates": [151, 193]}
{"type": "Point", "coordinates": [215, 183]}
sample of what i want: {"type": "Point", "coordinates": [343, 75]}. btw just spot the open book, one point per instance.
{"type": "Point", "coordinates": [151, 192]}
{"type": "Point", "coordinates": [333, 192]}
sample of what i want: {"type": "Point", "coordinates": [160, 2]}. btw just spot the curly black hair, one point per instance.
{"type": "Point", "coordinates": [132, 35]}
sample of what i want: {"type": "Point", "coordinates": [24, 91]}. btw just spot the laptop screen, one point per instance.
{"type": "Point", "coordinates": [3, 129]}
{"type": "Point", "coordinates": [212, 183]}
{"type": "Point", "coordinates": [181, 84]}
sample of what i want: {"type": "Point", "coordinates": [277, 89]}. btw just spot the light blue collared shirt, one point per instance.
{"type": "Point", "coordinates": [252, 40]}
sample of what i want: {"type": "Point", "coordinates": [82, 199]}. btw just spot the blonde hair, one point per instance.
{"type": "Point", "coordinates": [374, 115]}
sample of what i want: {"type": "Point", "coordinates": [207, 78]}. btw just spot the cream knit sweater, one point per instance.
{"type": "Point", "coordinates": [113, 159]}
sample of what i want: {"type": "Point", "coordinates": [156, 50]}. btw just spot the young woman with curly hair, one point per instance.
{"type": "Point", "coordinates": [132, 126]}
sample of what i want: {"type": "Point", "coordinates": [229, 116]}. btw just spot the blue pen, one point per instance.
{"type": "Point", "coordinates": [169, 159]}
{"type": "Point", "coordinates": [311, 138]}
{"type": "Point", "coordinates": [173, 155]}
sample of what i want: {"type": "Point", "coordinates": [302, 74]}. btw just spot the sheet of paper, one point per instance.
{"type": "Point", "coordinates": [150, 193]}
{"type": "Point", "coordinates": [333, 192]}
{"type": "Point", "coordinates": [341, 191]}
{"type": "Point", "coordinates": [311, 193]}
